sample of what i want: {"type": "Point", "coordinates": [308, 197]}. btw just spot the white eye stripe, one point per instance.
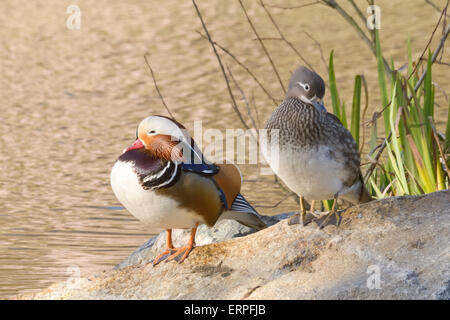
{"type": "Point", "coordinates": [305, 86]}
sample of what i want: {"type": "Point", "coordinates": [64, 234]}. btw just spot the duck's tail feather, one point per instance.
{"type": "Point", "coordinates": [244, 213]}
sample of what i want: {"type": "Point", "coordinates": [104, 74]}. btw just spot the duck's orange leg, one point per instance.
{"type": "Point", "coordinates": [183, 252]}
{"type": "Point", "coordinates": [169, 248]}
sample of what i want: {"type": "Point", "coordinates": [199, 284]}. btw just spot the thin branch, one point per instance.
{"type": "Point", "coordinates": [215, 43]}
{"type": "Point", "coordinates": [256, 111]}
{"type": "Point", "coordinates": [278, 203]}
{"type": "Point", "coordinates": [366, 106]}
{"type": "Point", "coordinates": [429, 41]}
{"type": "Point", "coordinates": [247, 106]}
{"type": "Point", "coordinates": [157, 89]}
{"type": "Point", "coordinates": [438, 62]}
{"type": "Point", "coordinates": [435, 54]}
{"type": "Point", "coordinates": [320, 49]}
{"type": "Point", "coordinates": [442, 90]}
{"type": "Point", "coordinates": [233, 101]}
{"type": "Point", "coordinates": [262, 45]}
{"type": "Point", "coordinates": [283, 37]}
{"type": "Point", "coordinates": [293, 7]}
{"type": "Point", "coordinates": [436, 137]}
{"type": "Point", "coordinates": [435, 6]}
{"type": "Point", "coordinates": [333, 4]}
{"type": "Point", "coordinates": [268, 39]}
{"type": "Point", "coordinates": [358, 11]}
{"type": "Point", "coordinates": [376, 158]}
{"type": "Point", "coordinates": [422, 77]}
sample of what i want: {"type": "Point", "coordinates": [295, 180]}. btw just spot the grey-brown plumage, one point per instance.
{"type": "Point", "coordinates": [318, 158]}
{"type": "Point", "coordinates": [308, 86]}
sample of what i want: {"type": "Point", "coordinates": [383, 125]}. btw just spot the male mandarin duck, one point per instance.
{"type": "Point", "coordinates": [165, 182]}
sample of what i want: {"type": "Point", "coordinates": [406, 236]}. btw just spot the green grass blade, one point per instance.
{"type": "Point", "coordinates": [344, 116]}
{"type": "Point", "coordinates": [428, 104]}
{"type": "Point", "coordinates": [375, 188]}
{"type": "Point", "coordinates": [382, 81]}
{"type": "Point", "coordinates": [356, 107]}
{"type": "Point", "coordinates": [447, 133]}
{"type": "Point", "coordinates": [333, 88]}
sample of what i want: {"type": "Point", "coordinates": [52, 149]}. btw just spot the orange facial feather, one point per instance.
{"type": "Point", "coordinates": [163, 147]}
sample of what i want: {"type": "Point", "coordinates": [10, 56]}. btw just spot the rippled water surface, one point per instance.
{"type": "Point", "coordinates": [71, 100]}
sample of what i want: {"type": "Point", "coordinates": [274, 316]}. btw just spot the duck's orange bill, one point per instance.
{"type": "Point", "coordinates": [136, 145]}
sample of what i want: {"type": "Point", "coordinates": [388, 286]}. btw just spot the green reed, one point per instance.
{"type": "Point", "coordinates": [413, 157]}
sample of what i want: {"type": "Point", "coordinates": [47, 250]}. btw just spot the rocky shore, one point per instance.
{"type": "Point", "coordinates": [395, 248]}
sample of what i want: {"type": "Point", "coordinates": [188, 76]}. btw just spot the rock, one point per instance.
{"type": "Point", "coordinates": [223, 230]}
{"type": "Point", "coordinates": [395, 248]}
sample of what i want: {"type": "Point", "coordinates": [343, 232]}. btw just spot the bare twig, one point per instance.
{"type": "Point", "coordinates": [256, 111]}
{"type": "Point", "coordinates": [333, 4]}
{"type": "Point", "coordinates": [435, 54]}
{"type": "Point", "coordinates": [233, 101]}
{"type": "Point", "coordinates": [422, 77]}
{"type": "Point", "coordinates": [243, 66]}
{"type": "Point", "coordinates": [263, 46]}
{"type": "Point", "coordinates": [247, 106]}
{"type": "Point", "coordinates": [366, 106]}
{"type": "Point", "coordinates": [283, 37]}
{"type": "Point", "coordinates": [157, 89]}
{"type": "Point", "coordinates": [442, 90]}
{"type": "Point", "coordinates": [436, 137]}
{"type": "Point", "coordinates": [278, 203]}
{"type": "Point", "coordinates": [438, 62]}
{"type": "Point", "coordinates": [269, 39]}
{"type": "Point", "coordinates": [358, 11]}
{"type": "Point", "coordinates": [376, 158]}
{"type": "Point", "coordinates": [435, 6]}
{"type": "Point", "coordinates": [429, 41]}
{"type": "Point", "coordinates": [293, 7]}
{"type": "Point", "coordinates": [320, 49]}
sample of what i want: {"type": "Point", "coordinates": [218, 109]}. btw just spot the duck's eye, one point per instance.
{"type": "Point", "coordinates": [306, 87]}
{"type": "Point", "coordinates": [152, 132]}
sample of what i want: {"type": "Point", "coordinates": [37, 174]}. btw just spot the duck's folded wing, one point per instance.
{"type": "Point", "coordinates": [244, 213]}
{"type": "Point", "coordinates": [229, 180]}
{"type": "Point", "coordinates": [194, 161]}
{"type": "Point", "coordinates": [202, 168]}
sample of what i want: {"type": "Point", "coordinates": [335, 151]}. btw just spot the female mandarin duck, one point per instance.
{"type": "Point", "coordinates": [318, 158]}
{"type": "Point", "coordinates": [165, 182]}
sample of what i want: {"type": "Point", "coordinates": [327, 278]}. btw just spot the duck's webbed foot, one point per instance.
{"type": "Point", "coordinates": [163, 256]}
{"type": "Point", "coordinates": [300, 218]}
{"type": "Point", "coordinates": [180, 254]}
{"type": "Point", "coordinates": [332, 218]}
